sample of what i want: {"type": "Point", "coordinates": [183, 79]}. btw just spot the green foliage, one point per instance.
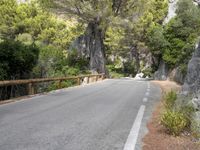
{"type": "Point", "coordinates": [174, 121]}
{"type": "Point", "coordinates": [115, 72]}
{"type": "Point", "coordinates": [159, 9]}
{"type": "Point", "coordinates": [118, 68]}
{"type": "Point", "coordinates": [130, 68]}
{"type": "Point", "coordinates": [169, 99]}
{"type": "Point", "coordinates": [29, 23]}
{"type": "Point", "coordinates": [17, 59]}
{"type": "Point", "coordinates": [60, 33]}
{"type": "Point", "coordinates": [178, 116]}
{"type": "Point", "coordinates": [176, 41]}
{"type": "Point", "coordinates": [135, 33]}
{"type": "Point", "coordinates": [156, 40]}
{"type": "Point", "coordinates": [148, 72]}
{"type": "Point", "coordinates": [56, 62]}
{"type": "Point", "coordinates": [51, 60]}
{"type": "Point", "coordinates": [64, 84]}
{"type": "Point", "coordinates": [75, 60]}
{"type": "Point", "coordinates": [113, 41]}
{"type": "Point", "coordinates": [25, 38]}
{"type": "Point", "coordinates": [181, 33]}
{"type": "Point", "coordinates": [7, 13]}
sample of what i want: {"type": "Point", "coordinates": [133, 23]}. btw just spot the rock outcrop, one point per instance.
{"type": "Point", "coordinates": [192, 82]}
{"type": "Point", "coordinates": [91, 45]}
{"type": "Point", "coordinates": [192, 86]}
{"type": "Point", "coordinates": [177, 75]}
{"type": "Point", "coordinates": [197, 2]}
{"type": "Point", "coordinates": [171, 11]}
{"type": "Point", "coordinates": [162, 72]}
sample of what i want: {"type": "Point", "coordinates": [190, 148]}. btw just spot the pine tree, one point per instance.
{"type": "Point", "coordinates": [98, 15]}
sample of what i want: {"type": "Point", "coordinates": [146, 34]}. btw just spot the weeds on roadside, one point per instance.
{"type": "Point", "coordinates": [176, 118]}
{"type": "Point", "coordinates": [174, 121]}
{"type": "Point", "coordinates": [170, 99]}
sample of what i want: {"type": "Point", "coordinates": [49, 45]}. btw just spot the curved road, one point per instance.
{"type": "Point", "coordinates": [108, 115]}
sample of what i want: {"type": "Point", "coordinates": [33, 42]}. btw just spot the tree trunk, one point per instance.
{"type": "Point", "coordinates": [94, 40]}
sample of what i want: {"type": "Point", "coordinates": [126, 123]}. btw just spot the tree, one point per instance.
{"type": "Point", "coordinates": [182, 33]}
{"type": "Point", "coordinates": [97, 14]}
{"type": "Point", "coordinates": [7, 18]}
{"type": "Point", "coordinates": [147, 27]}
{"type": "Point", "coordinates": [156, 40]}
{"type": "Point", "coordinates": [17, 59]}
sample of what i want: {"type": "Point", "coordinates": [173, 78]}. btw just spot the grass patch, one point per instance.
{"type": "Point", "coordinates": [170, 99]}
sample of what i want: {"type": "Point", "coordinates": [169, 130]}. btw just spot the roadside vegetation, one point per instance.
{"type": "Point", "coordinates": [172, 125]}
{"type": "Point", "coordinates": [34, 44]}
{"type": "Point", "coordinates": [178, 118]}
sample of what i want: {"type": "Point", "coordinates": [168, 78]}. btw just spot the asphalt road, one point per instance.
{"type": "Point", "coordinates": [94, 117]}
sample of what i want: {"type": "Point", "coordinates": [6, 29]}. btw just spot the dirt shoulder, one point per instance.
{"type": "Point", "coordinates": [157, 138]}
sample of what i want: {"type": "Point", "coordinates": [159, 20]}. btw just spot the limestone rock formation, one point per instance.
{"type": "Point", "coordinates": [171, 11]}
{"type": "Point", "coordinates": [197, 2]}
{"type": "Point", "coordinates": [196, 102]}
{"type": "Point", "coordinates": [91, 45]}
{"type": "Point", "coordinates": [177, 75]}
{"type": "Point", "coordinates": [162, 72]}
{"type": "Point", "coordinates": [192, 86]}
{"type": "Point", "coordinates": [192, 82]}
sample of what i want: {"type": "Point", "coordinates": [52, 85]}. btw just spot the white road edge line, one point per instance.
{"type": "Point", "coordinates": [132, 138]}
{"type": "Point", "coordinates": [148, 85]}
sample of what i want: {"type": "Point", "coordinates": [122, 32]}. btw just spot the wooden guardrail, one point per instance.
{"type": "Point", "coordinates": [32, 82]}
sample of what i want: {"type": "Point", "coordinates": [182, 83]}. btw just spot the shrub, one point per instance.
{"type": "Point", "coordinates": [16, 59]}
{"type": "Point", "coordinates": [174, 121]}
{"type": "Point", "coordinates": [170, 99]}
{"type": "Point", "coordinates": [114, 71]}
{"type": "Point", "coordinates": [148, 72]}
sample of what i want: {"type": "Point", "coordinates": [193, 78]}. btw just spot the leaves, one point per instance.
{"type": "Point", "coordinates": [17, 59]}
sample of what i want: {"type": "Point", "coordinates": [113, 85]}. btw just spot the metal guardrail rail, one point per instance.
{"type": "Point", "coordinates": [32, 82]}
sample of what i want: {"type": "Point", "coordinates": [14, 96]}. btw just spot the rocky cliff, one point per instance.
{"type": "Point", "coordinates": [192, 85]}
{"type": "Point", "coordinates": [192, 82]}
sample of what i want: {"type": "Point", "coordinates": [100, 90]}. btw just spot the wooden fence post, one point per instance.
{"type": "Point", "coordinates": [101, 77]}
{"type": "Point", "coordinates": [97, 77]}
{"type": "Point", "coordinates": [30, 89]}
{"type": "Point", "coordinates": [79, 80]}
{"type": "Point", "coordinates": [60, 84]}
